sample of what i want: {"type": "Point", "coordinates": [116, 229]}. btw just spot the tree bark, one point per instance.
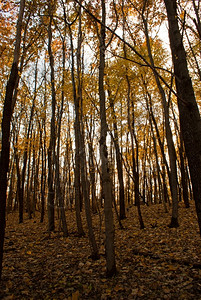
{"type": "Point", "coordinates": [5, 126]}
{"type": "Point", "coordinates": [190, 121]}
{"type": "Point", "coordinates": [77, 145]}
{"type": "Point", "coordinates": [156, 153]}
{"type": "Point", "coordinates": [51, 148]}
{"type": "Point", "coordinates": [107, 186]}
{"type": "Point", "coordinates": [43, 151]}
{"type": "Point", "coordinates": [171, 149]}
{"type": "Point", "coordinates": [83, 163]}
{"type": "Point", "coordinates": [92, 166]}
{"type": "Point", "coordinates": [59, 192]}
{"type": "Point", "coordinates": [122, 213]}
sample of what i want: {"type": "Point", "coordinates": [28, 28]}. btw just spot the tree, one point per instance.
{"type": "Point", "coordinates": [122, 213]}
{"type": "Point", "coordinates": [59, 194]}
{"type": "Point", "coordinates": [169, 137]}
{"type": "Point", "coordinates": [51, 148]}
{"type": "Point", "coordinates": [190, 121]}
{"type": "Point", "coordinates": [83, 164]}
{"type": "Point", "coordinates": [5, 126]}
{"type": "Point", "coordinates": [131, 128]}
{"type": "Point", "coordinates": [77, 136]}
{"type": "Point", "coordinates": [107, 186]}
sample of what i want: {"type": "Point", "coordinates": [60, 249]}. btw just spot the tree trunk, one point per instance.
{"type": "Point", "coordinates": [43, 150]}
{"type": "Point", "coordinates": [107, 186]}
{"type": "Point", "coordinates": [188, 110]}
{"type": "Point", "coordinates": [58, 181]}
{"type": "Point", "coordinates": [5, 126]}
{"type": "Point", "coordinates": [122, 214]}
{"type": "Point", "coordinates": [184, 179]}
{"type": "Point", "coordinates": [19, 189]}
{"type": "Point", "coordinates": [43, 178]}
{"type": "Point", "coordinates": [12, 186]}
{"type": "Point", "coordinates": [29, 185]}
{"type": "Point", "coordinates": [77, 146]}
{"type": "Point", "coordinates": [134, 164]}
{"type": "Point", "coordinates": [51, 148]}
{"type": "Point", "coordinates": [83, 163]}
{"type": "Point", "coordinates": [197, 20]}
{"type": "Point", "coordinates": [92, 169]}
{"type": "Point", "coordinates": [130, 104]}
{"type": "Point", "coordinates": [169, 138]}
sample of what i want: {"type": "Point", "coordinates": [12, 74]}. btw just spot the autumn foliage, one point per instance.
{"type": "Point", "coordinates": [100, 149]}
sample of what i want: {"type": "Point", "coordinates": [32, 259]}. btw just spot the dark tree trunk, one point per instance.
{"type": "Point", "coordinates": [184, 179]}
{"type": "Point", "coordinates": [19, 189]}
{"type": "Point", "coordinates": [51, 148]}
{"type": "Point", "coordinates": [92, 172]}
{"type": "Point", "coordinates": [11, 190]}
{"type": "Point", "coordinates": [59, 192]}
{"type": "Point", "coordinates": [170, 143]}
{"type": "Point", "coordinates": [188, 110]}
{"type": "Point", "coordinates": [42, 183]}
{"type": "Point", "coordinates": [5, 129]}
{"type": "Point", "coordinates": [107, 185]}
{"type": "Point", "coordinates": [83, 163]}
{"type": "Point", "coordinates": [122, 214]}
{"type": "Point", "coordinates": [77, 145]}
{"type": "Point", "coordinates": [135, 169]}
{"type": "Point", "coordinates": [43, 151]}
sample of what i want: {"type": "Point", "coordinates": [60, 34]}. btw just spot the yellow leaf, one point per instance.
{"type": "Point", "coordinates": [76, 295]}
{"type": "Point", "coordinates": [108, 291]}
{"type": "Point", "coordinates": [29, 252]}
{"type": "Point", "coordinates": [118, 288]}
{"type": "Point", "coordinates": [172, 268]}
{"type": "Point", "coordinates": [166, 290]}
{"type": "Point", "coordinates": [182, 15]}
{"type": "Point", "coordinates": [10, 297]}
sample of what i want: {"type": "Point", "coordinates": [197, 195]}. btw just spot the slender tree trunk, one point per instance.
{"type": "Point", "coordinates": [107, 186]}
{"type": "Point", "coordinates": [171, 149]}
{"type": "Point", "coordinates": [42, 182]}
{"type": "Point", "coordinates": [197, 20]}
{"type": "Point", "coordinates": [195, 57]}
{"type": "Point", "coordinates": [51, 148]}
{"type": "Point", "coordinates": [83, 163]}
{"type": "Point", "coordinates": [128, 185]}
{"type": "Point", "coordinates": [19, 189]}
{"type": "Point", "coordinates": [36, 162]}
{"type": "Point", "coordinates": [68, 189]}
{"type": "Point", "coordinates": [122, 214]}
{"type": "Point", "coordinates": [43, 150]}
{"type": "Point", "coordinates": [60, 195]}
{"type": "Point", "coordinates": [157, 165]}
{"type": "Point", "coordinates": [29, 185]}
{"type": "Point", "coordinates": [151, 118]}
{"type": "Point", "coordinates": [132, 134]}
{"type": "Point", "coordinates": [77, 145]}
{"type": "Point", "coordinates": [184, 179]}
{"type": "Point", "coordinates": [134, 164]}
{"type": "Point", "coordinates": [92, 168]}
{"type": "Point", "coordinates": [12, 185]}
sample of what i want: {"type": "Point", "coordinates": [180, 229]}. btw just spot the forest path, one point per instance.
{"type": "Point", "coordinates": [154, 263]}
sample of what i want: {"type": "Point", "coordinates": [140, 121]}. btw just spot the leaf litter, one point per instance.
{"type": "Point", "coordinates": [154, 263]}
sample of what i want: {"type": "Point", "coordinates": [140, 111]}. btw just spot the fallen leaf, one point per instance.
{"type": "Point", "coordinates": [76, 295]}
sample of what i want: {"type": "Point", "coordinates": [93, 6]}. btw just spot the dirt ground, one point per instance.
{"type": "Point", "coordinates": [154, 263]}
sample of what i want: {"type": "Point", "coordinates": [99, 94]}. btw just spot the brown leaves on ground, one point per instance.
{"type": "Point", "coordinates": [154, 263]}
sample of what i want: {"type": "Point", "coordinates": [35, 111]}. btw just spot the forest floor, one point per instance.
{"type": "Point", "coordinates": [154, 263]}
